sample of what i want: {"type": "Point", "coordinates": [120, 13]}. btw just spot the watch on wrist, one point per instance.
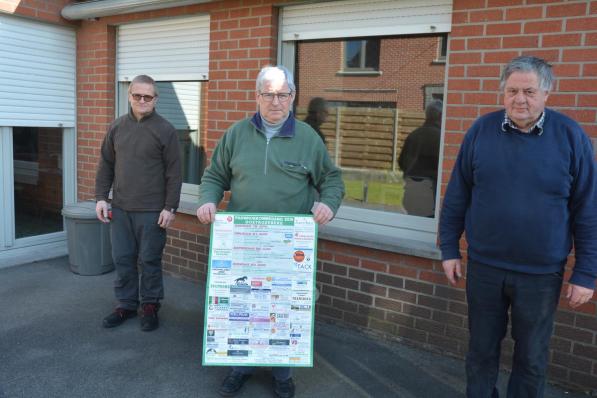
{"type": "Point", "coordinates": [172, 210]}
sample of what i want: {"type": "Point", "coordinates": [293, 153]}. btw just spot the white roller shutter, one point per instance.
{"type": "Point", "coordinates": [37, 74]}
{"type": "Point", "coordinates": [354, 18]}
{"type": "Point", "coordinates": [165, 49]}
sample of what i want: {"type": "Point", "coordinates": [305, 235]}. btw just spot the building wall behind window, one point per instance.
{"type": "Point", "coordinates": [394, 295]}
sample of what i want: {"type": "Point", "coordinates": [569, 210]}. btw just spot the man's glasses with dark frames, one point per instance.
{"type": "Point", "coordinates": [146, 98]}
{"type": "Point", "coordinates": [269, 97]}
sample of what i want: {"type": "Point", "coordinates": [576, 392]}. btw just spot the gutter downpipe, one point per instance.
{"type": "Point", "coordinates": [102, 8]}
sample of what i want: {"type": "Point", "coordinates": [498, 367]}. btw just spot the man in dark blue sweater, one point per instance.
{"type": "Point", "coordinates": [524, 188]}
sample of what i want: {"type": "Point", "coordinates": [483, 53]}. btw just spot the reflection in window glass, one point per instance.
{"type": "Point", "coordinates": [369, 117]}
{"type": "Point", "coordinates": [372, 54]}
{"type": "Point", "coordinates": [353, 54]}
{"type": "Point", "coordinates": [37, 163]}
{"type": "Point", "coordinates": [443, 48]}
{"type": "Point", "coordinates": [180, 104]}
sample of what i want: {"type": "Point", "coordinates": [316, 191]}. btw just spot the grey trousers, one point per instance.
{"type": "Point", "coordinates": [137, 245]}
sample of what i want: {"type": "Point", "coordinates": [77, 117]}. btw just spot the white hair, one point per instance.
{"type": "Point", "coordinates": [275, 73]}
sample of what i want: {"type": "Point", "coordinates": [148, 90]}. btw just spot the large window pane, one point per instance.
{"type": "Point", "coordinates": [37, 161]}
{"type": "Point", "coordinates": [370, 116]}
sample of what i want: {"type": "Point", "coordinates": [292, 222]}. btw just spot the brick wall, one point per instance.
{"type": "Point", "coordinates": [96, 56]}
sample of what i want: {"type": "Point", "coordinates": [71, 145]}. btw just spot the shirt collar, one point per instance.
{"type": "Point", "coordinates": [287, 129]}
{"type": "Point", "coordinates": [508, 125]}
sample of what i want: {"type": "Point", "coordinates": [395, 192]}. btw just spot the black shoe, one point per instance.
{"type": "Point", "coordinates": [233, 383]}
{"type": "Point", "coordinates": [149, 317]}
{"type": "Point", "coordinates": [118, 317]}
{"type": "Point", "coordinates": [284, 388]}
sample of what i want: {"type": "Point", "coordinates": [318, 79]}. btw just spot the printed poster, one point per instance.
{"type": "Point", "coordinates": [259, 304]}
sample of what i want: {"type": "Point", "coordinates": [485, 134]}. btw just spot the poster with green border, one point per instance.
{"type": "Point", "coordinates": [260, 292]}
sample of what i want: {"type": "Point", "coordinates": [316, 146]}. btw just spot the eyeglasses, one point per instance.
{"type": "Point", "coordinates": [269, 97]}
{"type": "Point", "coordinates": [146, 98]}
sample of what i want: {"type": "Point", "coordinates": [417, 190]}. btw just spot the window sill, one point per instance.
{"type": "Point", "coordinates": [411, 247]}
{"type": "Point", "coordinates": [359, 73]}
{"type": "Point", "coordinates": [186, 207]}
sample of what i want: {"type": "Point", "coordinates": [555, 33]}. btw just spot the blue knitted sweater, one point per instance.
{"type": "Point", "coordinates": [524, 199]}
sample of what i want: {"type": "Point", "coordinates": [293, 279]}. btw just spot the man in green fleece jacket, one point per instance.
{"type": "Point", "coordinates": [271, 163]}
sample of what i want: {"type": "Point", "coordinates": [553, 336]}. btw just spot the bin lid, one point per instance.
{"type": "Point", "coordinates": [81, 210]}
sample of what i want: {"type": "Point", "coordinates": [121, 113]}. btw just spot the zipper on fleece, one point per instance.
{"type": "Point", "coordinates": [265, 157]}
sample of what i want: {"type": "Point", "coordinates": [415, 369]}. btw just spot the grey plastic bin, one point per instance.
{"type": "Point", "coordinates": [89, 248]}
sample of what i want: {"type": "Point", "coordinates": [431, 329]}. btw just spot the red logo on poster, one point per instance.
{"type": "Point", "coordinates": [299, 256]}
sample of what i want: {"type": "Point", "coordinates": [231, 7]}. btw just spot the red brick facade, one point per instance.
{"type": "Point", "coordinates": [394, 295]}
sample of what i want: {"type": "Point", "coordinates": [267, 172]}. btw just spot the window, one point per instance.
{"type": "Point", "coordinates": [433, 92]}
{"type": "Point", "coordinates": [442, 48]}
{"type": "Point", "coordinates": [37, 176]}
{"type": "Point", "coordinates": [369, 120]}
{"type": "Point", "coordinates": [361, 55]}
{"type": "Point", "coordinates": [317, 43]}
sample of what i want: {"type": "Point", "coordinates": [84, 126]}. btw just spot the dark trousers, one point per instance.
{"type": "Point", "coordinates": [532, 300]}
{"type": "Point", "coordinates": [280, 373]}
{"type": "Point", "coordinates": [137, 239]}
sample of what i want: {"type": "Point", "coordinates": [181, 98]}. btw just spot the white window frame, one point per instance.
{"type": "Point", "coordinates": [442, 41]}
{"type": "Point", "coordinates": [9, 245]}
{"type": "Point", "coordinates": [374, 228]}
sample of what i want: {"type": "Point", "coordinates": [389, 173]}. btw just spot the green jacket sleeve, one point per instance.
{"type": "Point", "coordinates": [216, 178]}
{"type": "Point", "coordinates": [328, 181]}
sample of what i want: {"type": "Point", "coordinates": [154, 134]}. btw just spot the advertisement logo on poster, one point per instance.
{"type": "Point", "coordinates": [302, 261]}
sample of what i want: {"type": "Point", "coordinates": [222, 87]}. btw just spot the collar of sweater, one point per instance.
{"type": "Point", "coordinates": [287, 129]}
{"type": "Point", "coordinates": [144, 118]}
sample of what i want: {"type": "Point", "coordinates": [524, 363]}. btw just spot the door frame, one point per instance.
{"type": "Point", "coordinates": [47, 245]}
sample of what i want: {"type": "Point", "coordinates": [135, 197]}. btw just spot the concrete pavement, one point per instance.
{"type": "Point", "coordinates": [52, 344]}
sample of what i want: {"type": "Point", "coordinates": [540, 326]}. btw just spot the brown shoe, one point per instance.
{"type": "Point", "coordinates": [149, 317]}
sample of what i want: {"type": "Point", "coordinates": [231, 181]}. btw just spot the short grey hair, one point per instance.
{"type": "Point", "coordinates": [144, 79]}
{"type": "Point", "coordinates": [271, 73]}
{"type": "Point", "coordinates": [525, 64]}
